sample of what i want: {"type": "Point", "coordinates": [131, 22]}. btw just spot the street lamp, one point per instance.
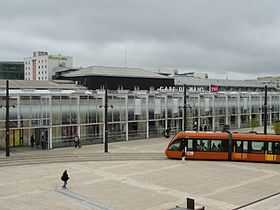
{"type": "Point", "coordinates": [185, 107]}
{"type": "Point", "coordinates": [106, 120]}
{"type": "Point", "coordinates": [7, 148]}
{"type": "Point", "coordinates": [265, 109]}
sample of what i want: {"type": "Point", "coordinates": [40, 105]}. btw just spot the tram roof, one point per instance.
{"type": "Point", "coordinates": [210, 135]}
{"type": "Point", "coordinates": [224, 135]}
{"type": "Point", "coordinates": [256, 137]}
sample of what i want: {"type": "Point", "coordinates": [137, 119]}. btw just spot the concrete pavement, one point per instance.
{"type": "Point", "coordinates": [136, 184]}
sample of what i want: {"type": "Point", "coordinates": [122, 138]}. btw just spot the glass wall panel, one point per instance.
{"type": "Point", "coordinates": [116, 132]}
{"type": "Point", "coordinates": [63, 136]}
{"type": "Point", "coordinates": [91, 134]}
{"type": "Point", "coordinates": [56, 110]}
{"type": "Point", "coordinates": [137, 130]}
{"type": "Point", "coordinates": [156, 128]}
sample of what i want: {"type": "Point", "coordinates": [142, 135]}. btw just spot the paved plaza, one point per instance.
{"type": "Point", "coordinates": [150, 184]}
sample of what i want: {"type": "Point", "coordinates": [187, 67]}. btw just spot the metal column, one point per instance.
{"type": "Point", "coordinates": [147, 116]}
{"type": "Point", "coordinates": [213, 113]}
{"type": "Point", "coordinates": [7, 120]}
{"type": "Point", "coordinates": [265, 110]}
{"type": "Point", "coordinates": [270, 110]}
{"type": "Point", "coordinates": [50, 123]}
{"type": "Point", "coordinates": [250, 108]}
{"type": "Point", "coordinates": [126, 117]}
{"type": "Point", "coordinates": [166, 114]}
{"type": "Point", "coordinates": [227, 115]}
{"type": "Point", "coordinates": [238, 112]}
{"type": "Point", "coordinates": [261, 110]}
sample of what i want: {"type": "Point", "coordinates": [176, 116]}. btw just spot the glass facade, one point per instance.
{"type": "Point", "coordinates": [58, 117]}
{"type": "Point", "coordinates": [12, 70]}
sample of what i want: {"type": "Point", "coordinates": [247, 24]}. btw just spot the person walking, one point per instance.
{"type": "Point", "coordinates": [42, 142]}
{"type": "Point", "coordinates": [32, 141]}
{"type": "Point", "coordinates": [77, 142]}
{"type": "Point", "coordinates": [65, 179]}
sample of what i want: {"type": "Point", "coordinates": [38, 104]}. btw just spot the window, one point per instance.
{"type": "Point", "coordinates": [276, 147]}
{"type": "Point", "coordinates": [176, 146]}
{"type": "Point", "coordinates": [238, 146]}
{"type": "Point", "coordinates": [202, 145]}
{"type": "Point", "coordinates": [190, 144]}
{"type": "Point", "coordinates": [216, 146]}
{"type": "Point", "coordinates": [257, 146]}
{"type": "Point", "coordinates": [245, 146]}
{"type": "Point", "coordinates": [270, 147]}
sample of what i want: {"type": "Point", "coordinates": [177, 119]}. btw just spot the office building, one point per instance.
{"type": "Point", "coordinates": [42, 66]}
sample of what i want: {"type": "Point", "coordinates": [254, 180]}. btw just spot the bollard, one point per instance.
{"type": "Point", "coordinates": [190, 203]}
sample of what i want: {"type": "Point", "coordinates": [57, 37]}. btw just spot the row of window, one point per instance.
{"type": "Point", "coordinates": [199, 145]}
{"type": "Point", "coordinates": [256, 146]}
{"type": "Point", "coordinates": [41, 67]}
{"type": "Point", "coordinates": [39, 61]}
{"type": "Point", "coordinates": [39, 72]}
{"type": "Point", "coordinates": [222, 146]}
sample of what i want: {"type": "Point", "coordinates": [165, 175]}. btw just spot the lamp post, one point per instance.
{"type": "Point", "coordinates": [265, 109]}
{"type": "Point", "coordinates": [7, 120]}
{"type": "Point", "coordinates": [185, 107]}
{"type": "Point", "coordinates": [106, 120]}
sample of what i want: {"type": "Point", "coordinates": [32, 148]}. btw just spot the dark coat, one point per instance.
{"type": "Point", "coordinates": [65, 176]}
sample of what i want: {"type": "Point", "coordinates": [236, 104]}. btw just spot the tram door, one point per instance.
{"type": "Point", "coordinates": [269, 156]}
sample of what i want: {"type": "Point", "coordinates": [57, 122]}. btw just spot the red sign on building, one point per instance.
{"type": "Point", "coordinates": [215, 88]}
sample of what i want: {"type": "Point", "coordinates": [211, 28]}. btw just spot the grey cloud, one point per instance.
{"type": "Point", "coordinates": [239, 36]}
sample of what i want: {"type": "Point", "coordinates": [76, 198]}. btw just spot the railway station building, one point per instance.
{"type": "Point", "coordinates": [59, 110]}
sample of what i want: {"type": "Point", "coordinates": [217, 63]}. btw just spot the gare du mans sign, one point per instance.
{"type": "Point", "coordinates": [212, 88]}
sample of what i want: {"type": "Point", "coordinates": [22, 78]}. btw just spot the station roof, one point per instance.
{"type": "Point", "coordinates": [107, 71]}
{"type": "Point", "coordinates": [40, 84]}
{"type": "Point", "coordinates": [181, 80]}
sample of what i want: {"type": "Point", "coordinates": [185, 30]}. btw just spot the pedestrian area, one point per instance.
{"type": "Point", "coordinates": [125, 180]}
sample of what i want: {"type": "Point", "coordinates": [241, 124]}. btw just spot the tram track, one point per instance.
{"type": "Point", "coordinates": [257, 202]}
{"type": "Point", "coordinates": [87, 157]}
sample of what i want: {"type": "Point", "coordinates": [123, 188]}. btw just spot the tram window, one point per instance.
{"type": "Point", "coordinates": [238, 146]}
{"type": "Point", "coordinates": [276, 147]}
{"type": "Point", "coordinates": [257, 146]}
{"type": "Point", "coordinates": [224, 146]}
{"type": "Point", "coordinates": [269, 147]}
{"type": "Point", "coordinates": [175, 146]}
{"type": "Point", "coordinates": [202, 145]}
{"type": "Point", "coordinates": [216, 146]}
{"type": "Point", "coordinates": [190, 145]}
{"type": "Point", "coordinates": [245, 146]}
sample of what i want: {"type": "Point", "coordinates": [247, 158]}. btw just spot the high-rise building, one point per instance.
{"type": "Point", "coordinates": [42, 66]}
{"type": "Point", "coordinates": [11, 70]}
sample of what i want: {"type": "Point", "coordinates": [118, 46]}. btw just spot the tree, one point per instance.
{"type": "Point", "coordinates": [254, 123]}
{"type": "Point", "coordinates": [276, 127]}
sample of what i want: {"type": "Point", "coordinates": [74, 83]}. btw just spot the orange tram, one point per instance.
{"type": "Point", "coordinates": [224, 146]}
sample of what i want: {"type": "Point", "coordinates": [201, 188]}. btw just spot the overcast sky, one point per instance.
{"type": "Point", "coordinates": [237, 39]}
